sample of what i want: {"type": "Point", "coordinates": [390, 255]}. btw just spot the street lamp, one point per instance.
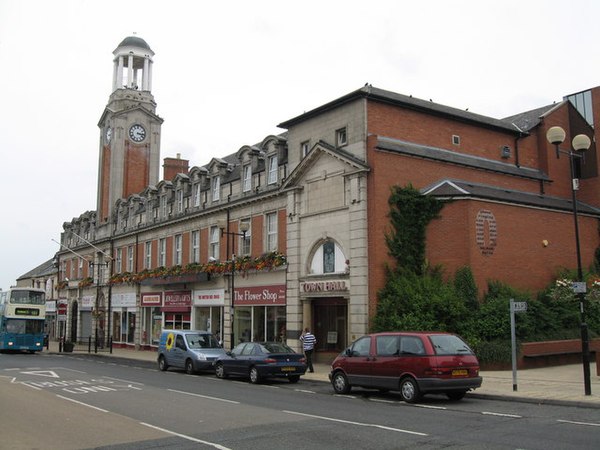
{"type": "Point", "coordinates": [556, 136]}
{"type": "Point", "coordinates": [244, 227]}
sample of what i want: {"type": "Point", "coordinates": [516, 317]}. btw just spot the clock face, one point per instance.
{"type": "Point", "coordinates": [108, 134]}
{"type": "Point", "coordinates": [137, 133]}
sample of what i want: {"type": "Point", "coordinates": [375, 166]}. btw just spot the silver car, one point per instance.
{"type": "Point", "coordinates": [192, 350]}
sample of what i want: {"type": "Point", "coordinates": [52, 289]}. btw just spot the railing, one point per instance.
{"type": "Point", "coordinates": [89, 345]}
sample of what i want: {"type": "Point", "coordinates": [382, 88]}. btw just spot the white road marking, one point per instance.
{"type": "Point", "coordinates": [306, 391]}
{"type": "Point", "coordinates": [514, 416]}
{"type": "Point", "coordinates": [383, 427]}
{"type": "Point", "coordinates": [183, 436]}
{"type": "Point", "coordinates": [43, 373]}
{"type": "Point", "coordinates": [589, 424]}
{"type": "Point", "coordinates": [205, 396]}
{"type": "Point", "coordinates": [430, 407]}
{"type": "Point", "coordinates": [82, 404]}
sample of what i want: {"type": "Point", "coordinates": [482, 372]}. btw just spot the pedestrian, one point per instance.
{"type": "Point", "coordinates": [308, 345]}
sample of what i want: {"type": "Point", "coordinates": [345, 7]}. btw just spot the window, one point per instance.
{"type": "Point", "coordinates": [197, 194]}
{"type": "Point", "coordinates": [148, 255]}
{"type": "Point", "coordinates": [341, 138]}
{"type": "Point", "coordinates": [271, 232]}
{"type": "Point", "coordinates": [214, 242]}
{"type": "Point", "coordinates": [118, 261]}
{"type": "Point", "coordinates": [272, 175]}
{"type": "Point", "coordinates": [329, 257]}
{"type": "Point", "coordinates": [388, 345]}
{"type": "Point", "coordinates": [455, 139]}
{"type": "Point", "coordinates": [195, 256]}
{"type": "Point", "coordinates": [80, 268]}
{"type": "Point", "coordinates": [163, 206]}
{"type": "Point", "coordinates": [180, 201]}
{"type": "Point", "coordinates": [304, 148]}
{"type": "Point", "coordinates": [362, 347]}
{"type": "Point", "coordinates": [216, 188]}
{"type": "Point", "coordinates": [162, 252]}
{"type": "Point", "coordinates": [245, 246]}
{"type": "Point", "coordinates": [130, 258]}
{"type": "Point", "coordinates": [247, 178]}
{"type": "Point", "coordinates": [177, 258]}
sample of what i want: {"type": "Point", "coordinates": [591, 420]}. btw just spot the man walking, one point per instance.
{"type": "Point", "coordinates": [308, 345]}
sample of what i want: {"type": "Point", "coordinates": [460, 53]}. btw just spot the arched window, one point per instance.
{"type": "Point", "coordinates": [328, 258]}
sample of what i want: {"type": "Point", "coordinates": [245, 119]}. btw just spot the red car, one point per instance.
{"type": "Point", "coordinates": [414, 363]}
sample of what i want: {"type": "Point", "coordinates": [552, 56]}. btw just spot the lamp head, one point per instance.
{"type": "Point", "coordinates": [581, 142]}
{"type": "Point", "coordinates": [556, 135]}
{"type": "Point", "coordinates": [244, 226]}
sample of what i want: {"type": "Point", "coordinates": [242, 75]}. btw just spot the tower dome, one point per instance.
{"type": "Point", "coordinates": [133, 65]}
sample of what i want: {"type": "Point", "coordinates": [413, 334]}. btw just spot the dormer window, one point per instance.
{"type": "Point", "coordinates": [247, 178]}
{"type": "Point", "coordinates": [163, 206]}
{"type": "Point", "coordinates": [180, 201]}
{"type": "Point", "coordinates": [216, 188]}
{"type": "Point", "coordinates": [341, 137]}
{"type": "Point", "coordinates": [272, 169]}
{"type": "Point", "coordinates": [197, 194]}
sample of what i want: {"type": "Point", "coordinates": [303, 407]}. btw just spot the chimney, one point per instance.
{"type": "Point", "coordinates": [173, 166]}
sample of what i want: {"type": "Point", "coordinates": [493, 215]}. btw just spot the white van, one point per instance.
{"type": "Point", "coordinates": [192, 350]}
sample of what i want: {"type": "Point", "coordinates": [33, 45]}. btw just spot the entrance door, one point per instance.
{"type": "Point", "coordinates": [330, 324]}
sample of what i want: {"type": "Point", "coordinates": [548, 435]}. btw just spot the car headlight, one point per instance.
{"type": "Point", "coordinates": [201, 357]}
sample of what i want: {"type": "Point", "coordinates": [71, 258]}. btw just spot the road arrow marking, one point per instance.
{"type": "Point", "coordinates": [43, 373]}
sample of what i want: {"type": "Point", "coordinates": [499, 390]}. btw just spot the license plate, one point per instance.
{"type": "Point", "coordinates": [288, 369]}
{"type": "Point", "coordinates": [460, 373]}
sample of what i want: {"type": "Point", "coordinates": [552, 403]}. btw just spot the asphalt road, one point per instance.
{"type": "Point", "coordinates": [75, 402]}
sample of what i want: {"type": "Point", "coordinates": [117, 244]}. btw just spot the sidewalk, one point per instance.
{"type": "Point", "coordinates": [562, 385]}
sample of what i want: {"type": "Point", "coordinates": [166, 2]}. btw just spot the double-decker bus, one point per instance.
{"type": "Point", "coordinates": [22, 316]}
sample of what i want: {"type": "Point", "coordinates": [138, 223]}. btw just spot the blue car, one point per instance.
{"type": "Point", "coordinates": [260, 360]}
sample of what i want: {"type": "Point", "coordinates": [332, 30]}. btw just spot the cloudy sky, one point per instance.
{"type": "Point", "coordinates": [226, 73]}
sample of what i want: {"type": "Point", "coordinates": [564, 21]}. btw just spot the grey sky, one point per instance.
{"type": "Point", "coordinates": [226, 73]}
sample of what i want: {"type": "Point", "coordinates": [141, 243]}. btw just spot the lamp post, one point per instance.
{"type": "Point", "coordinates": [580, 143]}
{"type": "Point", "coordinates": [97, 313]}
{"type": "Point", "coordinates": [244, 227]}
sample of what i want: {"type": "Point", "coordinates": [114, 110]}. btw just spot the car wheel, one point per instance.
{"type": "Point", "coordinates": [294, 378]}
{"type": "Point", "coordinates": [455, 395]}
{"type": "Point", "coordinates": [340, 384]}
{"type": "Point", "coordinates": [254, 376]}
{"type": "Point", "coordinates": [162, 363]}
{"type": "Point", "coordinates": [220, 371]}
{"type": "Point", "coordinates": [189, 367]}
{"type": "Point", "coordinates": [409, 389]}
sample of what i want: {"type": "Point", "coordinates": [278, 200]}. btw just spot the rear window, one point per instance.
{"type": "Point", "coordinates": [276, 347]}
{"type": "Point", "coordinates": [447, 344]}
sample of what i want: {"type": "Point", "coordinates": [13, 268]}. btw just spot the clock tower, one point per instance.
{"type": "Point", "coordinates": [129, 129]}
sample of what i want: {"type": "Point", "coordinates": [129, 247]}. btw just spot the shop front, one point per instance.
{"type": "Point", "coordinates": [207, 310]}
{"type": "Point", "coordinates": [124, 317]}
{"type": "Point", "coordinates": [177, 306]}
{"type": "Point", "coordinates": [86, 305]}
{"type": "Point", "coordinates": [152, 319]}
{"type": "Point", "coordinates": [259, 313]}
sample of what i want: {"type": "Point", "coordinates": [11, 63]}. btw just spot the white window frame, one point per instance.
{"type": "Point", "coordinates": [216, 188]}
{"type": "Point", "coordinates": [148, 255]}
{"type": "Point", "coordinates": [215, 235]}
{"type": "Point", "coordinates": [163, 206]}
{"type": "Point", "coordinates": [341, 137]}
{"type": "Point", "coordinates": [195, 246]}
{"type": "Point", "coordinates": [304, 148]}
{"type": "Point", "coordinates": [273, 168]}
{"type": "Point", "coordinates": [245, 244]}
{"type": "Point", "coordinates": [118, 261]}
{"type": "Point", "coordinates": [247, 178]}
{"type": "Point", "coordinates": [197, 194]}
{"type": "Point", "coordinates": [179, 195]}
{"type": "Point", "coordinates": [177, 250]}
{"type": "Point", "coordinates": [162, 252]}
{"type": "Point", "coordinates": [130, 258]}
{"type": "Point", "coordinates": [271, 231]}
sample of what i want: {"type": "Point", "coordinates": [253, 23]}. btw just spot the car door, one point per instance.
{"type": "Point", "coordinates": [178, 352]}
{"type": "Point", "coordinates": [357, 363]}
{"type": "Point", "coordinates": [413, 358]}
{"type": "Point", "coordinates": [385, 373]}
{"type": "Point", "coordinates": [235, 365]}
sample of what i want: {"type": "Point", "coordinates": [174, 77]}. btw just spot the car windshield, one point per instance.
{"type": "Point", "coordinates": [448, 344]}
{"type": "Point", "coordinates": [275, 347]}
{"type": "Point", "coordinates": [202, 341]}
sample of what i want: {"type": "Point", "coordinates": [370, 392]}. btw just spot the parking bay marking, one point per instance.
{"type": "Point", "coordinates": [572, 422]}
{"type": "Point", "coordinates": [204, 396]}
{"type": "Point", "coordinates": [349, 422]}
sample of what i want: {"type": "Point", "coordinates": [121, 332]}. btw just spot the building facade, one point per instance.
{"type": "Point", "coordinates": [290, 232]}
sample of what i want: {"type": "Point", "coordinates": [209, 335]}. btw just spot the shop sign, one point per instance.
{"type": "Point", "coordinates": [154, 299]}
{"type": "Point", "coordinates": [209, 297]}
{"type": "Point", "coordinates": [86, 303]}
{"type": "Point", "coordinates": [51, 307]}
{"type": "Point", "coordinates": [177, 301]}
{"type": "Point", "coordinates": [260, 295]}
{"type": "Point", "coordinates": [324, 286]}
{"type": "Point", "coordinates": [123, 300]}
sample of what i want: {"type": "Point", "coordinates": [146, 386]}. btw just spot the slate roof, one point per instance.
{"type": "Point", "coordinates": [446, 156]}
{"type": "Point", "coordinates": [455, 189]}
{"type": "Point", "coordinates": [409, 102]}
{"type": "Point", "coordinates": [530, 119]}
{"type": "Point", "coordinates": [47, 268]}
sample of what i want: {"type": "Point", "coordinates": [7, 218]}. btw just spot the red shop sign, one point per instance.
{"type": "Point", "coordinates": [260, 295]}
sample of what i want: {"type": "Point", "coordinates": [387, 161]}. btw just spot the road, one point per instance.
{"type": "Point", "coordinates": [79, 401]}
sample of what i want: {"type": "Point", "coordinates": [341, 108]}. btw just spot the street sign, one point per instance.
{"type": "Point", "coordinates": [579, 287]}
{"type": "Point", "coordinates": [518, 306]}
